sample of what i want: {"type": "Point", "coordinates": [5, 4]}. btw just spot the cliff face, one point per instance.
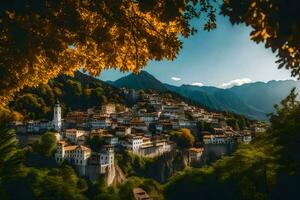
{"type": "Point", "coordinates": [159, 168]}
{"type": "Point", "coordinates": [119, 176]}
{"type": "Point", "coordinates": [166, 165]}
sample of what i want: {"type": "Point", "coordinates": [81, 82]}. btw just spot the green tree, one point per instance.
{"type": "Point", "coordinates": [58, 183]}
{"type": "Point", "coordinates": [285, 127]}
{"type": "Point", "coordinates": [47, 145]}
{"type": "Point", "coordinates": [32, 105]}
{"type": "Point", "coordinates": [10, 156]}
{"type": "Point", "coordinates": [233, 123]}
{"type": "Point", "coordinates": [95, 142]}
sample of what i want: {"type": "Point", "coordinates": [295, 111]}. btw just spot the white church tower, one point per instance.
{"type": "Point", "coordinates": [57, 117]}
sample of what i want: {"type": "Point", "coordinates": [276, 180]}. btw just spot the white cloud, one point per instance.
{"type": "Point", "coordinates": [236, 82]}
{"type": "Point", "coordinates": [197, 84]}
{"type": "Point", "coordinates": [176, 78]}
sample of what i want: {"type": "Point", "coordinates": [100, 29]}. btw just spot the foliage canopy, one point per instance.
{"type": "Point", "coordinates": [41, 39]}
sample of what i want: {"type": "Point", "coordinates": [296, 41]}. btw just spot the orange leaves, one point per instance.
{"type": "Point", "coordinates": [35, 37]}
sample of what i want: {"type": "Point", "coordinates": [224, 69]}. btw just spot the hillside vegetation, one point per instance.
{"type": "Point", "coordinates": [268, 168]}
{"type": "Point", "coordinates": [74, 93]}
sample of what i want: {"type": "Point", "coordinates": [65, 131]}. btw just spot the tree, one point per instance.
{"type": "Point", "coordinates": [183, 138]}
{"type": "Point", "coordinates": [47, 145]}
{"type": "Point", "coordinates": [233, 123]}
{"type": "Point", "coordinates": [41, 39]}
{"type": "Point", "coordinates": [57, 183]}
{"type": "Point", "coordinates": [10, 156]}
{"type": "Point", "coordinates": [285, 127]}
{"type": "Point", "coordinates": [96, 142]}
{"type": "Point", "coordinates": [204, 126]}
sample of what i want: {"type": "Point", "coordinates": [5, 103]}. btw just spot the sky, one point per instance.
{"type": "Point", "coordinates": [223, 58]}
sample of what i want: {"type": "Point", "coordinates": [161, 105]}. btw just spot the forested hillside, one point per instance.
{"type": "Point", "coordinates": [263, 96]}
{"type": "Point", "coordinates": [74, 93]}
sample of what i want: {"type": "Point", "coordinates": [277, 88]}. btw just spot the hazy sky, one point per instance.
{"type": "Point", "coordinates": [223, 57]}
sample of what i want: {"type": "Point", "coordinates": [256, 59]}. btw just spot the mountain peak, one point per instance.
{"type": "Point", "coordinates": [141, 81]}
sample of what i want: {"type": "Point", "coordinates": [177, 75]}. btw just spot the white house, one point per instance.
{"type": "Point", "coordinates": [132, 143]}
{"type": "Point", "coordinates": [195, 154]}
{"type": "Point", "coordinates": [247, 138]}
{"type": "Point", "coordinates": [215, 139]}
{"type": "Point", "coordinates": [73, 135]}
{"type": "Point", "coordinates": [75, 154]}
{"type": "Point", "coordinates": [102, 122]}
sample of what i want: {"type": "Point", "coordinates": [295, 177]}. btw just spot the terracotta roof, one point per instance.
{"type": "Point", "coordinates": [197, 150]}
{"type": "Point", "coordinates": [70, 148]}
{"type": "Point", "coordinates": [83, 148]}
{"type": "Point", "coordinates": [140, 194]}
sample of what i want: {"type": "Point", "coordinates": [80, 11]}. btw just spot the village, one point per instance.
{"type": "Point", "coordinates": [142, 130]}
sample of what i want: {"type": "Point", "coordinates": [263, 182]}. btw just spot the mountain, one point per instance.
{"type": "Point", "coordinates": [210, 97]}
{"type": "Point", "coordinates": [263, 96]}
{"type": "Point", "coordinates": [141, 81]}
{"type": "Point", "coordinates": [253, 100]}
{"type": "Point", "coordinates": [217, 99]}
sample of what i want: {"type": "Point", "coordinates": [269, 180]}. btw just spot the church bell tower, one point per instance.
{"type": "Point", "coordinates": [57, 117]}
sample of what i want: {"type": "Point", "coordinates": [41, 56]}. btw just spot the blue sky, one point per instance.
{"type": "Point", "coordinates": [223, 57]}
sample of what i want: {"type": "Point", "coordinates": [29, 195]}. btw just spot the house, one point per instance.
{"type": "Point", "coordinates": [38, 126]}
{"type": "Point", "coordinates": [218, 130]}
{"type": "Point", "coordinates": [122, 131]}
{"type": "Point", "coordinates": [140, 194]}
{"type": "Point", "coordinates": [215, 139]}
{"type": "Point", "coordinates": [102, 163]}
{"type": "Point", "coordinates": [132, 143]}
{"type": "Point", "coordinates": [123, 119]}
{"type": "Point", "coordinates": [77, 117]}
{"type": "Point", "coordinates": [138, 124]}
{"type": "Point", "coordinates": [149, 117]}
{"type": "Point", "coordinates": [247, 137]}
{"type": "Point", "coordinates": [77, 155]}
{"type": "Point", "coordinates": [195, 154]}
{"type": "Point", "coordinates": [106, 160]}
{"type": "Point", "coordinates": [173, 111]}
{"type": "Point", "coordinates": [109, 108]}
{"type": "Point", "coordinates": [182, 123]}
{"type": "Point", "coordinates": [220, 139]}
{"type": "Point", "coordinates": [164, 125]}
{"type": "Point", "coordinates": [73, 135]}
{"type": "Point", "coordinates": [154, 148]}
{"type": "Point", "coordinates": [99, 122]}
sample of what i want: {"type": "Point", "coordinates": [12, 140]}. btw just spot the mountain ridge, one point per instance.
{"type": "Point", "coordinates": [245, 99]}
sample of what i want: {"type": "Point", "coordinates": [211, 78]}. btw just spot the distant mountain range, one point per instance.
{"type": "Point", "coordinates": [253, 100]}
